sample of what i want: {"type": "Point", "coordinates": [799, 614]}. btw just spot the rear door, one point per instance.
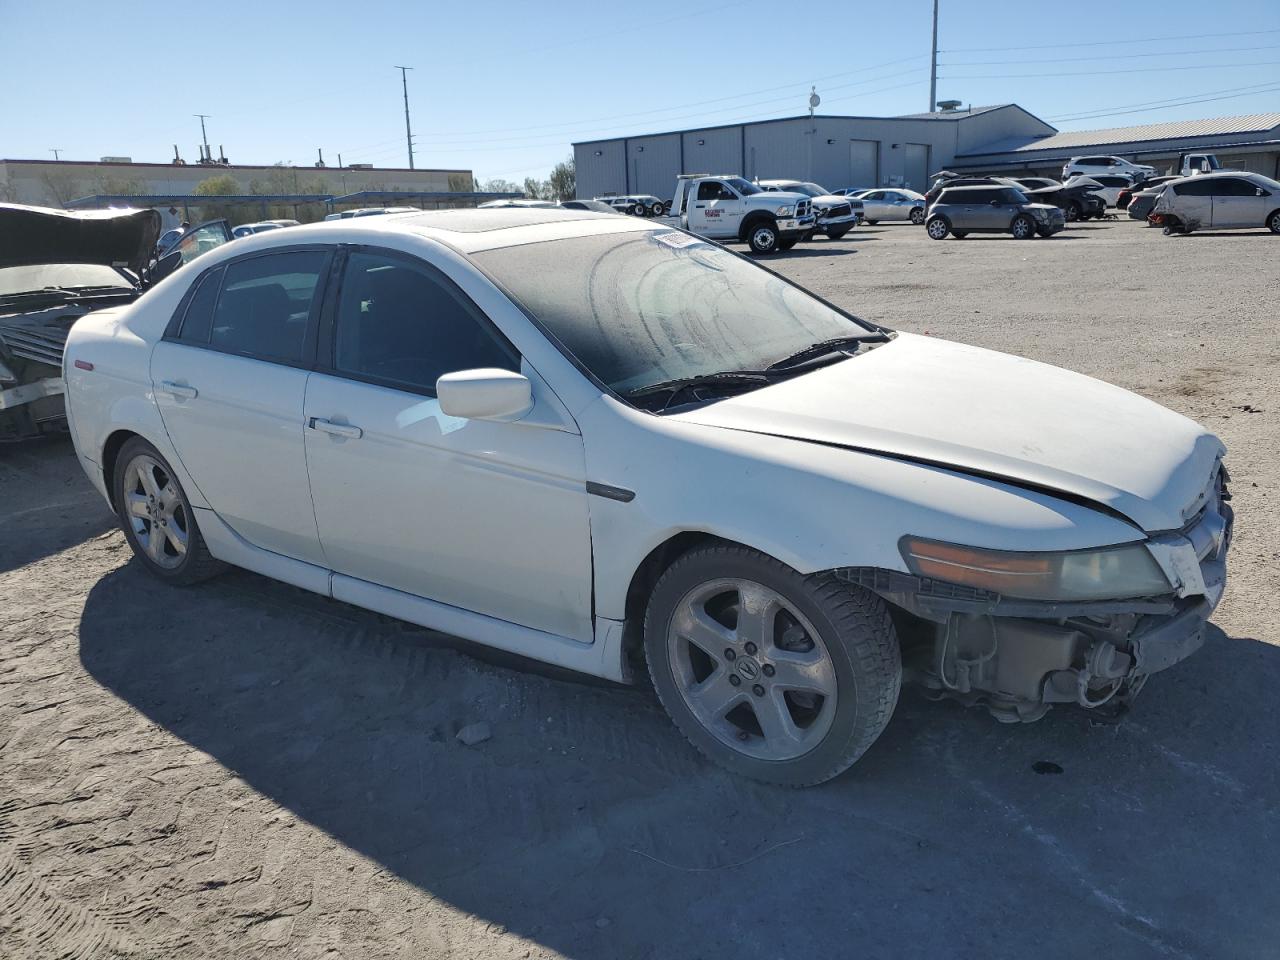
{"type": "Point", "coordinates": [229, 378]}
{"type": "Point", "coordinates": [1193, 202]}
{"type": "Point", "coordinates": [874, 206]}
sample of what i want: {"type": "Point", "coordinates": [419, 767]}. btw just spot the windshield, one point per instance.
{"type": "Point", "coordinates": [808, 189]}
{"type": "Point", "coordinates": [66, 276]}
{"type": "Point", "coordinates": [744, 187]}
{"type": "Point", "coordinates": [638, 309]}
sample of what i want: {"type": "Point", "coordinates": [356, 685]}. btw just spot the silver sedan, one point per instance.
{"type": "Point", "coordinates": [892, 205]}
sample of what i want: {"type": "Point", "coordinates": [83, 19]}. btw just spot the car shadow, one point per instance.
{"type": "Point", "coordinates": [831, 248]}
{"type": "Point", "coordinates": [587, 824]}
{"type": "Point", "coordinates": [46, 502]}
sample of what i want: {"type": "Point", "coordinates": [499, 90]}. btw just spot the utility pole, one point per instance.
{"type": "Point", "coordinates": [204, 137]}
{"type": "Point", "coordinates": [55, 151]}
{"type": "Point", "coordinates": [408, 133]}
{"type": "Point", "coordinates": [933, 63]}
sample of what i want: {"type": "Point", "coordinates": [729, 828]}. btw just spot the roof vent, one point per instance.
{"type": "Point", "coordinates": [948, 106]}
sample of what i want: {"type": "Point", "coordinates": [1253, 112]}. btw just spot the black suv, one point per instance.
{"type": "Point", "coordinates": [991, 209]}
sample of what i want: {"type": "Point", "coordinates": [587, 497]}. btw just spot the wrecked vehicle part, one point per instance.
{"type": "Point", "coordinates": [1019, 657]}
{"type": "Point", "coordinates": [56, 266]}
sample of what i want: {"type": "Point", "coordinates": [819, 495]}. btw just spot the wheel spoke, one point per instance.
{"type": "Point", "coordinates": [147, 478]}
{"type": "Point", "coordinates": [168, 496]}
{"type": "Point", "coordinates": [715, 696]}
{"type": "Point", "coordinates": [155, 543]}
{"type": "Point", "coordinates": [802, 671]}
{"type": "Point", "coordinates": [757, 608]}
{"type": "Point", "coordinates": [775, 721]}
{"type": "Point", "coordinates": [694, 624]}
{"type": "Point", "coordinates": [136, 505]}
{"type": "Point", "coordinates": [176, 537]}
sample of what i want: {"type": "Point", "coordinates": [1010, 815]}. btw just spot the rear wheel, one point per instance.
{"type": "Point", "coordinates": [938, 228]}
{"type": "Point", "coordinates": [1073, 212]}
{"type": "Point", "coordinates": [1273, 222]}
{"type": "Point", "coordinates": [638, 210]}
{"type": "Point", "coordinates": [1022, 228]}
{"type": "Point", "coordinates": [762, 237]}
{"type": "Point", "coordinates": [917, 215]}
{"type": "Point", "coordinates": [960, 234]}
{"type": "Point", "coordinates": [771, 674]}
{"type": "Point", "coordinates": [157, 518]}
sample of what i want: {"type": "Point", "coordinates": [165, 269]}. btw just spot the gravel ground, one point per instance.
{"type": "Point", "coordinates": [243, 769]}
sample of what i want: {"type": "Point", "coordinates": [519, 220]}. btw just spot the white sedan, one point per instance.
{"type": "Point", "coordinates": [598, 441]}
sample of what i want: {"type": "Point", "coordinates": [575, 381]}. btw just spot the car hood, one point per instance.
{"type": "Point", "coordinates": [777, 196]}
{"type": "Point", "coordinates": [994, 415]}
{"type": "Point", "coordinates": [832, 200]}
{"type": "Point", "coordinates": [35, 235]}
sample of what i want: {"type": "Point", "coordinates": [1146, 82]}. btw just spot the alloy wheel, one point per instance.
{"type": "Point", "coordinates": [156, 511]}
{"type": "Point", "coordinates": [752, 669]}
{"type": "Point", "coordinates": [917, 216]}
{"type": "Point", "coordinates": [763, 239]}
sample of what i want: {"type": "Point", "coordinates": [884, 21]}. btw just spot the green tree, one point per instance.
{"type": "Point", "coordinates": [219, 185]}
{"type": "Point", "coordinates": [498, 185]}
{"type": "Point", "coordinates": [461, 183]}
{"type": "Point", "coordinates": [538, 189]}
{"type": "Point", "coordinates": [564, 179]}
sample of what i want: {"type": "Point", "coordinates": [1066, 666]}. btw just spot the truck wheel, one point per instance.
{"type": "Point", "coordinates": [837, 232]}
{"type": "Point", "coordinates": [917, 215]}
{"type": "Point", "coordinates": [938, 228]}
{"type": "Point", "coordinates": [1022, 228]}
{"type": "Point", "coordinates": [762, 237]}
{"type": "Point", "coordinates": [771, 674]}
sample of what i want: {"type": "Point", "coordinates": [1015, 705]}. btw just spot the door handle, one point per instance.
{"type": "Point", "coordinates": [700, 206]}
{"type": "Point", "coordinates": [179, 390]}
{"type": "Point", "coordinates": [335, 429]}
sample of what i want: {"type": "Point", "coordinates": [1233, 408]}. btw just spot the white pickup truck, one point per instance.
{"type": "Point", "coordinates": [732, 208]}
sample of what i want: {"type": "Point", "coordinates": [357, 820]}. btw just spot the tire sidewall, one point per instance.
{"type": "Point", "coordinates": [917, 216]}
{"type": "Point", "coordinates": [128, 453]}
{"type": "Point", "coordinates": [1030, 227]}
{"type": "Point", "coordinates": [944, 222]}
{"type": "Point", "coordinates": [700, 567]}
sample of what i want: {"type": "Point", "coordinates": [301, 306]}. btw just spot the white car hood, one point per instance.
{"type": "Point", "coordinates": [995, 415]}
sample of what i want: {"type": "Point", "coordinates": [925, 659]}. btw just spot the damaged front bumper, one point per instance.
{"type": "Point", "coordinates": [1019, 657]}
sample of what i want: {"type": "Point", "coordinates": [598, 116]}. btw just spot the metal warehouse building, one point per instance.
{"type": "Point", "coordinates": [903, 151]}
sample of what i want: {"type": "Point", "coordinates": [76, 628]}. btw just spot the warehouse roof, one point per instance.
{"type": "Point", "coordinates": [1175, 130]}
{"type": "Point", "coordinates": [954, 114]}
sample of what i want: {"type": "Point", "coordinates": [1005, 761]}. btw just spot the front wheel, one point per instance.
{"type": "Point", "coordinates": [1022, 228]}
{"type": "Point", "coordinates": [1073, 212]}
{"type": "Point", "coordinates": [937, 228]}
{"type": "Point", "coordinates": [837, 232]}
{"type": "Point", "coordinates": [157, 518]}
{"type": "Point", "coordinates": [917, 215]}
{"type": "Point", "coordinates": [771, 674]}
{"type": "Point", "coordinates": [762, 237]}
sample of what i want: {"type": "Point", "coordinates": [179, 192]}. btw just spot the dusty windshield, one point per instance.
{"type": "Point", "coordinates": [60, 276]}
{"type": "Point", "coordinates": [638, 309]}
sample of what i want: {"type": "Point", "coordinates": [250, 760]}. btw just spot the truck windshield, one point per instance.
{"type": "Point", "coordinates": [744, 187]}
{"type": "Point", "coordinates": [637, 309]}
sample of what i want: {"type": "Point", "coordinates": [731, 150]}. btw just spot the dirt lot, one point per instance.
{"type": "Point", "coordinates": [244, 770]}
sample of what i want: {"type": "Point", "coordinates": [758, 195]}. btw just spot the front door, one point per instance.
{"type": "Point", "coordinates": [485, 516]}
{"type": "Point", "coordinates": [874, 206]}
{"type": "Point", "coordinates": [716, 210]}
{"type": "Point", "coordinates": [1239, 203]}
{"type": "Point", "coordinates": [229, 380]}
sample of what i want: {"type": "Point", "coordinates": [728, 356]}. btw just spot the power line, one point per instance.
{"type": "Point", "coordinates": [1116, 56]}
{"type": "Point", "coordinates": [1166, 105]}
{"type": "Point", "coordinates": [1097, 73]}
{"type": "Point", "coordinates": [1104, 43]}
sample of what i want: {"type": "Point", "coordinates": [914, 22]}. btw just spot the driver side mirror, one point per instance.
{"type": "Point", "coordinates": [485, 394]}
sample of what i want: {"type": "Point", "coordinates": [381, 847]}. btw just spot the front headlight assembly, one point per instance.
{"type": "Point", "coordinates": [1111, 573]}
{"type": "Point", "coordinates": [785, 210]}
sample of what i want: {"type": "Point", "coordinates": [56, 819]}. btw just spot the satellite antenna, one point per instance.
{"type": "Point", "coordinates": [814, 100]}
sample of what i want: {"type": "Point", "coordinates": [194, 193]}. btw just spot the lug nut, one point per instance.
{"type": "Point", "coordinates": [734, 679]}
{"type": "Point", "coordinates": [750, 648]}
{"type": "Point", "coordinates": [758, 690]}
{"type": "Point", "coordinates": [729, 654]}
{"type": "Point", "coordinates": [768, 670]}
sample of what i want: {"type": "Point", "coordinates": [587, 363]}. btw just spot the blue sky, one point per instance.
{"type": "Point", "coordinates": [503, 87]}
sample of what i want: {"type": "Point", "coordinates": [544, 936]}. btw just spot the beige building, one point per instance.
{"type": "Point", "coordinates": [54, 183]}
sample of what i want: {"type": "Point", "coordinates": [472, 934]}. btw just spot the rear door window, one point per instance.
{"type": "Point", "coordinates": [198, 320]}
{"type": "Point", "coordinates": [266, 305]}
{"type": "Point", "coordinates": [1194, 188]}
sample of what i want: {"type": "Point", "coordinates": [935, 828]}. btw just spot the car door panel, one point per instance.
{"type": "Point", "coordinates": [236, 424]}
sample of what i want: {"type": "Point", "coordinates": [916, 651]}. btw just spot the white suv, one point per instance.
{"type": "Point", "coordinates": [1091, 166]}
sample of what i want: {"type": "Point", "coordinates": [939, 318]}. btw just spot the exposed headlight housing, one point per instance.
{"type": "Point", "coordinates": [785, 210]}
{"type": "Point", "coordinates": [1110, 573]}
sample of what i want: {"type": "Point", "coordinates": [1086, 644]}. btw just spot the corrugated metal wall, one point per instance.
{"type": "Point", "coordinates": [654, 163]}
{"type": "Point", "coordinates": [601, 168]}
{"type": "Point", "coordinates": [712, 151]}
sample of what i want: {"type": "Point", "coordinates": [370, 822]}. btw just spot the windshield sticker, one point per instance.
{"type": "Point", "coordinates": [676, 240]}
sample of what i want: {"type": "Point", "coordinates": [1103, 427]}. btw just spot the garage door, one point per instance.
{"type": "Point", "coordinates": [864, 163]}
{"type": "Point", "coordinates": [917, 171]}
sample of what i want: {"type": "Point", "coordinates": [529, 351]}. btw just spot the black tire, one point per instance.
{"type": "Point", "coordinates": [787, 244]}
{"type": "Point", "coordinates": [1022, 228]}
{"type": "Point", "coordinates": [197, 564]}
{"type": "Point", "coordinates": [837, 232]}
{"type": "Point", "coordinates": [938, 228]}
{"type": "Point", "coordinates": [1273, 222]}
{"type": "Point", "coordinates": [637, 210]}
{"type": "Point", "coordinates": [762, 237]}
{"type": "Point", "coordinates": [1073, 212]}
{"type": "Point", "coordinates": [854, 628]}
{"type": "Point", "coordinates": [871, 222]}
{"type": "Point", "coordinates": [917, 215]}
{"type": "Point", "coordinates": [959, 234]}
